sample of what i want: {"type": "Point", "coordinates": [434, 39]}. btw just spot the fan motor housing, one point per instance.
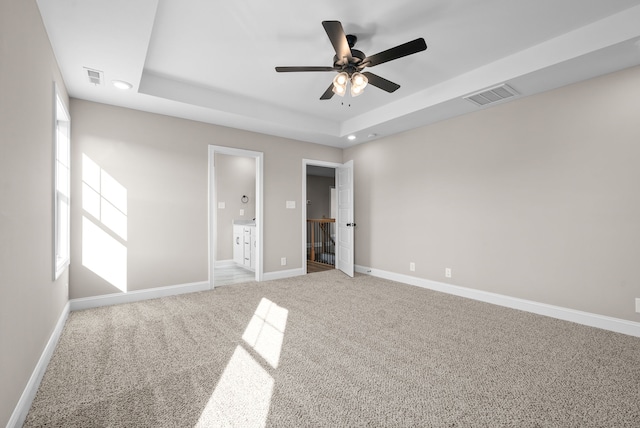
{"type": "Point", "coordinates": [352, 66]}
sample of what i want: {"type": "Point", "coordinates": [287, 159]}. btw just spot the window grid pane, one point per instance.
{"type": "Point", "coordinates": [61, 188]}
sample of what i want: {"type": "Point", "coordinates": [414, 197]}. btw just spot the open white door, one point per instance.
{"type": "Point", "coordinates": [345, 223]}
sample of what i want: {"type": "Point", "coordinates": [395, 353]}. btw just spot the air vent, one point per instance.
{"type": "Point", "coordinates": [492, 95]}
{"type": "Point", "coordinates": [95, 76]}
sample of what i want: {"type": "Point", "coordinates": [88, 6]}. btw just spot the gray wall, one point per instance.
{"type": "Point", "coordinates": [162, 162]}
{"type": "Point", "coordinates": [536, 199]}
{"type": "Point", "coordinates": [235, 177]}
{"type": "Point", "coordinates": [30, 301]}
{"type": "Point", "coordinates": [319, 193]}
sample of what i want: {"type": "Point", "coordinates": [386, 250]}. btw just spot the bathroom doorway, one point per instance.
{"type": "Point", "coordinates": [235, 215]}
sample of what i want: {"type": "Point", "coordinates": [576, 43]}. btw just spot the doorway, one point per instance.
{"type": "Point", "coordinates": [333, 241]}
{"type": "Point", "coordinates": [230, 213]}
{"type": "Point", "coordinates": [321, 218]}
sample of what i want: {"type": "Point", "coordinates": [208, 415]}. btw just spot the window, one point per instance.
{"type": "Point", "coordinates": [61, 186]}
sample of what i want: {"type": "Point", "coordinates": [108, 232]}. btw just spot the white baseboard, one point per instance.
{"type": "Point", "coordinates": [281, 274]}
{"type": "Point", "coordinates": [586, 318]}
{"type": "Point", "coordinates": [225, 263]}
{"type": "Point", "coordinates": [136, 296]}
{"type": "Point", "coordinates": [24, 404]}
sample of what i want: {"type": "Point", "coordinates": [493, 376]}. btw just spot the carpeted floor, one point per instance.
{"type": "Point", "coordinates": [324, 350]}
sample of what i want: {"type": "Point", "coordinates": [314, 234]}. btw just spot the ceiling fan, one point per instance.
{"type": "Point", "coordinates": [349, 63]}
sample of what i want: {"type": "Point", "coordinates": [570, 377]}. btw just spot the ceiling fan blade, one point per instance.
{"type": "Point", "coordinates": [328, 93]}
{"type": "Point", "coordinates": [409, 48]}
{"type": "Point", "coordinates": [338, 39]}
{"type": "Point", "coordinates": [312, 68]}
{"type": "Point", "coordinates": [381, 82]}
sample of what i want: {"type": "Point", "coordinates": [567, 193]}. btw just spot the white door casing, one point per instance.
{"type": "Point", "coordinates": [345, 221]}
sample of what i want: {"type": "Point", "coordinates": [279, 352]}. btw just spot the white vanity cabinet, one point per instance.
{"type": "Point", "coordinates": [244, 244]}
{"type": "Point", "coordinates": [238, 245]}
{"type": "Point", "coordinates": [252, 251]}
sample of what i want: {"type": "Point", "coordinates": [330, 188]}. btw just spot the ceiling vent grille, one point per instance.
{"type": "Point", "coordinates": [95, 76]}
{"type": "Point", "coordinates": [492, 95]}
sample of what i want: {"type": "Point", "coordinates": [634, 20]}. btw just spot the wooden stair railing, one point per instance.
{"type": "Point", "coordinates": [323, 226]}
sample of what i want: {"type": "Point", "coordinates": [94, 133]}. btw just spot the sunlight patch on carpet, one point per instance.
{"type": "Point", "coordinates": [242, 397]}
{"type": "Point", "coordinates": [265, 331]}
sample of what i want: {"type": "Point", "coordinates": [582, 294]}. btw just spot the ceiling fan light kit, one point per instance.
{"type": "Point", "coordinates": [349, 63]}
{"type": "Point", "coordinates": [358, 83]}
{"type": "Point", "coordinates": [340, 83]}
{"type": "Point", "coordinates": [357, 80]}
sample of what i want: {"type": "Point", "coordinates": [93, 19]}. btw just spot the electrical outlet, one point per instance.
{"type": "Point", "coordinates": [283, 261]}
{"type": "Point", "coordinates": [221, 205]}
{"type": "Point", "coordinates": [412, 267]}
{"type": "Point", "coordinates": [447, 272]}
{"type": "Point", "coordinates": [241, 212]}
{"type": "Point", "coordinates": [638, 304]}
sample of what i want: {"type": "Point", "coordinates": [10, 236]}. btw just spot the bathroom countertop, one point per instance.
{"type": "Point", "coordinates": [244, 222]}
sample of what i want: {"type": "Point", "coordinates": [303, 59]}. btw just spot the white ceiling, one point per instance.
{"type": "Point", "coordinates": [213, 61]}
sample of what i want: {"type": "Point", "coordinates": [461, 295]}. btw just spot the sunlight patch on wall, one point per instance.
{"type": "Point", "coordinates": [104, 255]}
{"type": "Point", "coordinates": [265, 331]}
{"type": "Point", "coordinates": [103, 197]}
{"type": "Point", "coordinates": [104, 228]}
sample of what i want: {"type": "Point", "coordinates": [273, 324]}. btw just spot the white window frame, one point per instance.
{"type": "Point", "coordinates": [61, 185]}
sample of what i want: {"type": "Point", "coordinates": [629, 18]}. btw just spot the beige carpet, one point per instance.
{"type": "Point", "coordinates": [324, 350]}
